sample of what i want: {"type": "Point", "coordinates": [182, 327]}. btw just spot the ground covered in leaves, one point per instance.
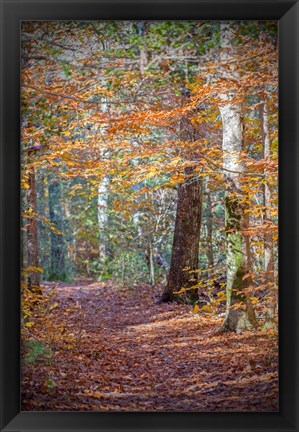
{"type": "Point", "coordinates": [102, 348]}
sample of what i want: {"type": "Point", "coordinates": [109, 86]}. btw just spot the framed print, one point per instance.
{"type": "Point", "coordinates": [149, 215]}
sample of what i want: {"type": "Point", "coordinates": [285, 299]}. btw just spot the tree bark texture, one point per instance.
{"type": "Point", "coordinates": [210, 254]}
{"type": "Point", "coordinates": [103, 194]}
{"type": "Point", "coordinates": [184, 260]}
{"type": "Point", "coordinates": [237, 317]}
{"type": "Point", "coordinates": [268, 237]}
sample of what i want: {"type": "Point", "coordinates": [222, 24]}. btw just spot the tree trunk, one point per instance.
{"type": "Point", "coordinates": [24, 246]}
{"type": "Point", "coordinates": [103, 193]}
{"type": "Point", "coordinates": [161, 261]}
{"type": "Point", "coordinates": [151, 262]}
{"type": "Point", "coordinates": [184, 260]}
{"type": "Point", "coordinates": [143, 60]}
{"type": "Point", "coordinates": [32, 236]}
{"type": "Point", "coordinates": [183, 274]}
{"type": "Point", "coordinates": [268, 237]}
{"type": "Point", "coordinates": [43, 230]}
{"type": "Point", "coordinates": [239, 312]}
{"type": "Point", "coordinates": [210, 254]}
{"type": "Point", "coordinates": [58, 271]}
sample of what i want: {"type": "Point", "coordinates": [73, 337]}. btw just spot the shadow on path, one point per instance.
{"type": "Point", "coordinates": [135, 355]}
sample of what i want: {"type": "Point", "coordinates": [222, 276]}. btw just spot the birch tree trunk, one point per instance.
{"type": "Point", "coordinates": [232, 143]}
{"type": "Point", "coordinates": [103, 194]}
{"type": "Point", "coordinates": [103, 199]}
{"type": "Point", "coordinates": [268, 237]}
{"type": "Point", "coordinates": [210, 254]}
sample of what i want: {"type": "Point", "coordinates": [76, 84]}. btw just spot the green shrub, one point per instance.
{"type": "Point", "coordinates": [35, 351]}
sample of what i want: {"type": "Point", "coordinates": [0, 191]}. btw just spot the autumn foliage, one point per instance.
{"type": "Point", "coordinates": [149, 176]}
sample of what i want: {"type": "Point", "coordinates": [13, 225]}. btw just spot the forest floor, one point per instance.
{"type": "Point", "coordinates": [116, 350]}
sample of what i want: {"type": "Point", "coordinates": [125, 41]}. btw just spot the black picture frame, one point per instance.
{"type": "Point", "coordinates": [12, 12]}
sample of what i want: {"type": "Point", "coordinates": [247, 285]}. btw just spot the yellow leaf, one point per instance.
{"type": "Point", "coordinates": [195, 309]}
{"type": "Point", "coordinates": [206, 308]}
{"type": "Point", "coordinates": [30, 324]}
{"type": "Point", "coordinates": [54, 305]}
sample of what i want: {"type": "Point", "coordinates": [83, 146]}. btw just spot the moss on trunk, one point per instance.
{"type": "Point", "coordinates": [239, 311]}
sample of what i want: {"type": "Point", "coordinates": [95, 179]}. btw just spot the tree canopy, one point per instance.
{"type": "Point", "coordinates": [150, 159]}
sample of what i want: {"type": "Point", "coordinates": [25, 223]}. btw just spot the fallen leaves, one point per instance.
{"type": "Point", "coordinates": [135, 355]}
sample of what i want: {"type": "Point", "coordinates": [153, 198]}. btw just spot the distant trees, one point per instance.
{"type": "Point", "coordinates": [32, 235]}
{"type": "Point", "coordinates": [57, 269]}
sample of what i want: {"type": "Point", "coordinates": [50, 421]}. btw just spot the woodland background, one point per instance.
{"type": "Point", "coordinates": [149, 194]}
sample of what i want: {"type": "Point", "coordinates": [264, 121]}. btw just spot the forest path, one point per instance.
{"type": "Point", "coordinates": [134, 355]}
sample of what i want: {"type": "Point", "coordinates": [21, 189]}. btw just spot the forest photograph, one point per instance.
{"type": "Point", "coordinates": [149, 216]}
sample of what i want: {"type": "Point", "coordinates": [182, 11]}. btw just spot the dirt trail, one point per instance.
{"type": "Point", "coordinates": [134, 355]}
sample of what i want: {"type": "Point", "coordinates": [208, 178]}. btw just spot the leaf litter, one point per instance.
{"type": "Point", "coordinates": [119, 351]}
